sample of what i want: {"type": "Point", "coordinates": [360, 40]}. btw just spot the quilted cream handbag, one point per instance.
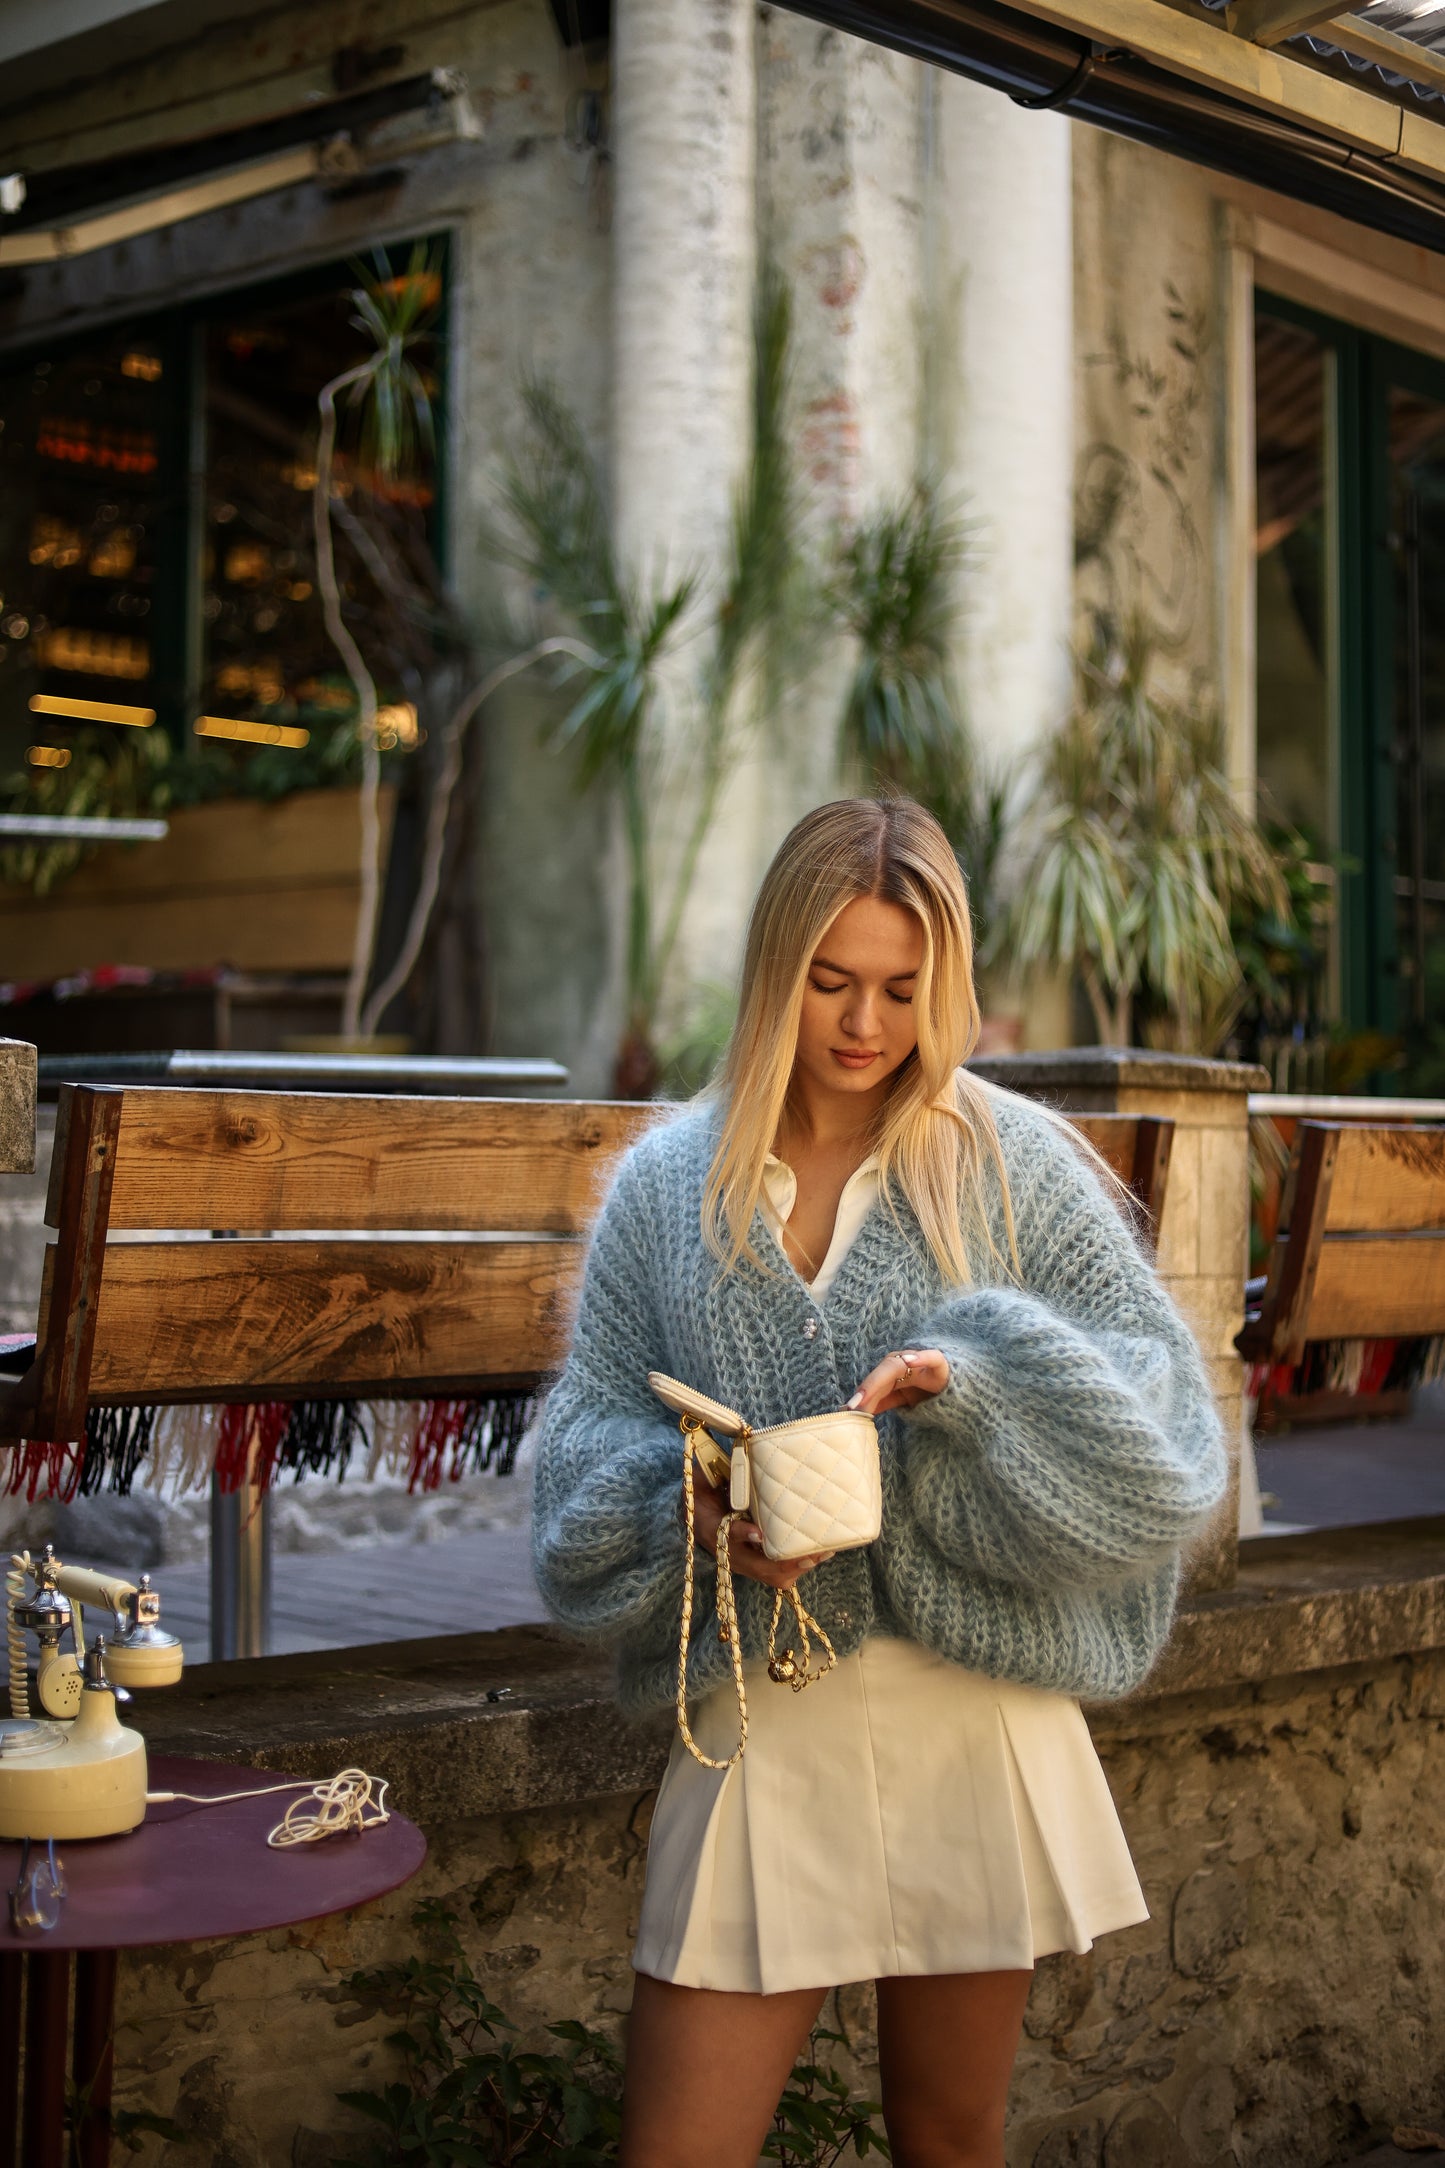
{"type": "Point", "coordinates": [811, 1485]}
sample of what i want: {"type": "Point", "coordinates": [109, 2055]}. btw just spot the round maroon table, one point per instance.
{"type": "Point", "coordinates": [189, 1873]}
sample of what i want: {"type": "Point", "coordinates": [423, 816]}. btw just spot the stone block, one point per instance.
{"type": "Point", "coordinates": [1223, 1205]}
{"type": "Point", "coordinates": [1177, 1256]}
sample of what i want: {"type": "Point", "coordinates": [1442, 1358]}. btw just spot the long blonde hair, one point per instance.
{"type": "Point", "coordinates": [936, 1131]}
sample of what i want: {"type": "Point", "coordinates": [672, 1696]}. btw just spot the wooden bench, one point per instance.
{"type": "Point", "coordinates": [215, 1246]}
{"type": "Point", "coordinates": [270, 1250]}
{"type": "Point", "coordinates": [1359, 1255]}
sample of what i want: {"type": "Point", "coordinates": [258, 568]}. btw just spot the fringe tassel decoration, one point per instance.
{"type": "Point", "coordinates": [117, 1440]}
{"type": "Point", "coordinates": [430, 1441]}
{"type": "Point", "coordinates": [1356, 1367]}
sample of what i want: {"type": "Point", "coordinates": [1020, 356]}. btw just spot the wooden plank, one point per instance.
{"type": "Point", "coordinates": [262, 1320]}
{"type": "Point", "coordinates": [300, 926]}
{"type": "Point", "coordinates": [1388, 1179]}
{"type": "Point", "coordinates": [1149, 1179]}
{"type": "Point", "coordinates": [234, 845]}
{"type": "Point", "coordinates": [1378, 1289]}
{"type": "Point", "coordinates": [258, 1161]}
{"type": "Point", "coordinates": [1202, 50]}
{"type": "Point", "coordinates": [1285, 1322]}
{"type": "Point", "coordinates": [1270, 22]}
{"type": "Point", "coordinates": [1137, 1148]}
{"type": "Point", "coordinates": [1113, 1136]}
{"type": "Point", "coordinates": [1402, 56]}
{"type": "Point", "coordinates": [87, 1129]}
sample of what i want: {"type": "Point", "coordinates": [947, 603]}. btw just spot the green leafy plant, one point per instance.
{"type": "Point", "coordinates": [895, 590]}
{"type": "Point", "coordinates": [744, 616]}
{"type": "Point", "coordinates": [1139, 853]}
{"type": "Point", "coordinates": [468, 2096]}
{"type": "Point", "coordinates": [117, 775]}
{"type": "Point", "coordinates": [817, 2122]}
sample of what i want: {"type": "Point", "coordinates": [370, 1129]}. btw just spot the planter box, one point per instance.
{"type": "Point", "coordinates": [262, 888]}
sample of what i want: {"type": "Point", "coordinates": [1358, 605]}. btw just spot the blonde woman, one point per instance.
{"type": "Point", "coordinates": [850, 1217]}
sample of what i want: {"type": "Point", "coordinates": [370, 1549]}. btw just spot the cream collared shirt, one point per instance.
{"type": "Point", "coordinates": [780, 1191]}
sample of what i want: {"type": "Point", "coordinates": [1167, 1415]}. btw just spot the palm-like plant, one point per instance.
{"type": "Point", "coordinates": [895, 588]}
{"type": "Point", "coordinates": [625, 632]}
{"type": "Point", "coordinates": [1140, 852]}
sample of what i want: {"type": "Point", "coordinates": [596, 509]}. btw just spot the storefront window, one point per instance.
{"type": "Point", "coordinates": [1297, 728]}
{"type": "Point", "coordinates": [1416, 425]}
{"type": "Point", "coordinates": [157, 562]}
{"type": "Point", "coordinates": [84, 498]}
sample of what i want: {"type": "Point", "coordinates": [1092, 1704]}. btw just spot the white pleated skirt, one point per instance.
{"type": "Point", "coordinates": [901, 1816]}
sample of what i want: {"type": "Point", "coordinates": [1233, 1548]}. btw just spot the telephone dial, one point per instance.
{"type": "Point", "coordinates": [75, 1770]}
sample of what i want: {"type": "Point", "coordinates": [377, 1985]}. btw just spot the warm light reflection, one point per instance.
{"type": "Point", "coordinates": [49, 756]}
{"type": "Point", "coordinates": [397, 725]}
{"type": "Point", "coordinates": [235, 726]}
{"type": "Point", "coordinates": [90, 711]}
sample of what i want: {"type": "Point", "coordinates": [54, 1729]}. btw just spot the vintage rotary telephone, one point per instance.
{"type": "Point", "coordinates": [77, 1771]}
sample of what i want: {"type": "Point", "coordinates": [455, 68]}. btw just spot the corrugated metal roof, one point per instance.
{"type": "Point", "coordinates": [1421, 22]}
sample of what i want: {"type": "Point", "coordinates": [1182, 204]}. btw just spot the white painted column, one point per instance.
{"type": "Point", "coordinates": [1002, 418]}
{"type": "Point", "coordinates": [684, 251]}
{"type": "Point", "coordinates": [1003, 249]}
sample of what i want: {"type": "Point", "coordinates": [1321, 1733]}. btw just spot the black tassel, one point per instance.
{"type": "Point", "coordinates": [116, 1442]}
{"type": "Point", "coordinates": [493, 1431]}
{"type": "Point", "coordinates": [320, 1439]}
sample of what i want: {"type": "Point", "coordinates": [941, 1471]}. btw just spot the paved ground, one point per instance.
{"type": "Point", "coordinates": [1344, 1475]}
{"type": "Point", "coordinates": [384, 1592]}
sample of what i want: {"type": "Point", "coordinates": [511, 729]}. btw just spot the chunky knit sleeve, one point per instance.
{"type": "Point", "coordinates": [607, 1544]}
{"type": "Point", "coordinates": [1076, 1443]}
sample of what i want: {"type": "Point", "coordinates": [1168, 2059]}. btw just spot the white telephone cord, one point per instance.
{"type": "Point", "coordinates": [348, 1802]}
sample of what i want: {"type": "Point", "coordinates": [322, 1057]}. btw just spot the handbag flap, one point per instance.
{"type": "Point", "coordinates": [685, 1400]}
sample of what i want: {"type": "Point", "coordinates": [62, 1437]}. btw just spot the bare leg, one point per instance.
{"type": "Point", "coordinates": [704, 2072]}
{"type": "Point", "coordinates": [946, 2046]}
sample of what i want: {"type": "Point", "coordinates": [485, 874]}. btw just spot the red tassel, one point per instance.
{"type": "Point", "coordinates": [439, 1432]}
{"type": "Point", "coordinates": [59, 1463]}
{"type": "Point", "coordinates": [273, 1420]}
{"type": "Point", "coordinates": [236, 1462]}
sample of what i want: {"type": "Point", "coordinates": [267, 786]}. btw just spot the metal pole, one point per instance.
{"type": "Point", "coordinates": [240, 1572]}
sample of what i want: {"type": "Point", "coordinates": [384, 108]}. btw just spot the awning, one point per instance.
{"type": "Point", "coordinates": [1343, 111]}
{"type": "Point", "coordinates": [67, 211]}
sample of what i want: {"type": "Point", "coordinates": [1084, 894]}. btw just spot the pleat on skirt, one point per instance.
{"type": "Point", "coordinates": [902, 1816]}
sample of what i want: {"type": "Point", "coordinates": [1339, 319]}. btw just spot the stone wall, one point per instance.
{"type": "Point", "coordinates": [1284, 1809]}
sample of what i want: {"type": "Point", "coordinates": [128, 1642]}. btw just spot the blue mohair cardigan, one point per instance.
{"type": "Point", "coordinates": [1033, 1512]}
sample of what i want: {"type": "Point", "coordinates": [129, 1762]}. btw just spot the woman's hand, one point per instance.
{"type": "Point", "coordinates": [745, 1543]}
{"type": "Point", "coordinates": [901, 1380]}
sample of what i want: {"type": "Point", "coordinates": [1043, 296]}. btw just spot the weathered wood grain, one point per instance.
{"type": "Point", "coordinates": [1368, 1288]}
{"type": "Point", "coordinates": [272, 1161]}
{"type": "Point", "coordinates": [86, 1152]}
{"type": "Point", "coordinates": [262, 1320]}
{"type": "Point", "coordinates": [1387, 1179]}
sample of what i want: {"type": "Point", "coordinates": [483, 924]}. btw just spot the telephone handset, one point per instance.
{"type": "Point", "coordinates": [77, 1771]}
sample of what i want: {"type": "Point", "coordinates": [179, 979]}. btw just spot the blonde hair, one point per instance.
{"type": "Point", "coordinates": [936, 1131]}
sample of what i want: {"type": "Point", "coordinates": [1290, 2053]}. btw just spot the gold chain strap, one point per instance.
{"type": "Point", "coordinates": [784, 1669]}
{"type": "Point", "coordinates": [727, 1615]}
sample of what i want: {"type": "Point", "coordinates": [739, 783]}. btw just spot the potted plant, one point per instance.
{"type": "Point", "coordinates": [1137, 854]}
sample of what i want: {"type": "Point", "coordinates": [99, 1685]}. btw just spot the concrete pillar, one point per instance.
{"type": "Point", "coordinates": [1002, 400]}
{"type": "Point", "coordinates": [839, 136]}
{"type": "Point", "coordinates": [1203, 1254]}
{"type": "Point", "coordinates": [684, 252]}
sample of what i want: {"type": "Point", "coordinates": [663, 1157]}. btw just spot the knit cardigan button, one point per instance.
{"type": "Point", "coordinates": [810, 1329]}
